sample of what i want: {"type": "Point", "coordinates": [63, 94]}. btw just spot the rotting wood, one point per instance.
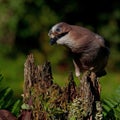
{"type": "Point", "coordinates": [87, 104]}
{"type": "Point", "coordinates": [45, 100]}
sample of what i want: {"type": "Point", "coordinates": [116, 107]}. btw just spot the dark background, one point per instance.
{"type": "Point", "coordinates": [24, 25]}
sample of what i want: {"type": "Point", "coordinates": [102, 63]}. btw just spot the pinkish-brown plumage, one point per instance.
{"type": "Point", "coordinates": [87, 48]}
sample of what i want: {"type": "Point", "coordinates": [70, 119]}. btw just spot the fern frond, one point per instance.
{"type": "Point", "coordinates": [1, 77]}
{"type": "Point", "coordinates": [5, 96]}
{"type": "Point", "coordinates": [111, 107]}
{"type": "Point", "coordinates": [16, 107]}
{"type": "Point", "coordinates": [7, 101]}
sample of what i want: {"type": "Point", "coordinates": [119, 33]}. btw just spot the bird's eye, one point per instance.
{"type": "Point", "coordinates": [58, 29]}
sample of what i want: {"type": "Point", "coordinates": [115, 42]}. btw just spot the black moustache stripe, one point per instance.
{"type": "Point", "coordinates": [61, 35]}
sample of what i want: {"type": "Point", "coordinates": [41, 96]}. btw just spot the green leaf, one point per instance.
{"type": "Point", "coordinates": [26, 106]}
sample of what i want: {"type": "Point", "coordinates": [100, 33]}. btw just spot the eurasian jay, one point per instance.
{"type": "Point", "coordinates": [87, 48]}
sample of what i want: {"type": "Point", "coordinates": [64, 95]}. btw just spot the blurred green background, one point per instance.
{"type": "Point", "coordinates": [24, 25]}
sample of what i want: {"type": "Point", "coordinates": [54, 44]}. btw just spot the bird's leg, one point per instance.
{"type": "Point", "coordinates": [77, 70]}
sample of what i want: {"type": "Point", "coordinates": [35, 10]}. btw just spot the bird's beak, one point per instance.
{"type": "Point", "coordinates": [53, 39]}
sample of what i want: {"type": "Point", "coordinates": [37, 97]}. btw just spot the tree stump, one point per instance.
{"type": "Point", "coordinates": [87, 104]}
{"type": "Point", "coordinates": [45, 100]}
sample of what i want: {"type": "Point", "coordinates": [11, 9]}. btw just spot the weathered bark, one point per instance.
{"type": "Point", "coordinates": [46, 100]}
{"type": "Point", "coordinates": [87, 105]}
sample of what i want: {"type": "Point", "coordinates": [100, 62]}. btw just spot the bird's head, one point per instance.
{"type": "Point", "coordinates": [58, 33]}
